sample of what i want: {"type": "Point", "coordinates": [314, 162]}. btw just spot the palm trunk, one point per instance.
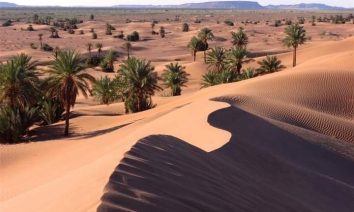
{"type": "Point", "coordinates": [294, 57]}
{"type": "Point", "coordinates": [194, 55]}
{"type": "Point", "coordinates": [238, 68]}
{"type": "Point", "coordinates": [67, 117]}
{"type": "Point", "coordinates": [204, 56]}
{"type": "Point", "coordinates": [128, 53]}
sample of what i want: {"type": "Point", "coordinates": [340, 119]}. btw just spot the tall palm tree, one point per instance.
{"type": "Point", "coordinates": [216, 59]}
{"type": "Point", "coordinates": [195, 45]}
{"type": "Point", "coordinates": [236, 57]}
{"type": "Point", "coordinates": [89, 48]}
{"type": "Point", "coordinates": [140, 83]}
{"type": "Point", "coordinates": [40, 37]}
{"type": "Point", "coordinates": [19, 83]}
{"type": "Point", "coordinates": [174, 77]}
{"type": "Point", "coordinates": [105, 90]}
{"type": "Point", "coordinates": [99, 48]}
{"type": "Point", "coordinates": [127, 46]}
{"type": "Point", "coordinates": [66, 79]}
{"type": "Point", "coordinates": [205, 34]}
{"type": "Point", "coordinates": [270, 64]}
{"type": "Point", "coordinates": [240, 38]}
{"type": "Point", "coordinates": [295, 36]}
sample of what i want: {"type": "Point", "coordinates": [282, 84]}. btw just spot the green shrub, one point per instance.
{"type": "Point", "coordinates": [50, 111]}
{"type": "Point", "coordinates": [15, 123]}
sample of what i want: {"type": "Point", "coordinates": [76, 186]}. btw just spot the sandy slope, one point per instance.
{"type": "Point", "coordinates": [281, 142]}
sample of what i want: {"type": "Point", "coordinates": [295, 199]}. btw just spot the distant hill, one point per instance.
{"type": "Point", "coordinates": [241, 5]}
{"type": "Point", "coordinates": [304, 7]}
{"type": "Point", "coordinates": [238, 5]}
{"type": "Point", "coordinates": [7, 5]}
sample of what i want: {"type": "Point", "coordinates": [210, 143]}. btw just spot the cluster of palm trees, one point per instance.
{"type": "Point", "coordinates": [225, 65]}
{"type": "Point", "coordinates": [27, 99]}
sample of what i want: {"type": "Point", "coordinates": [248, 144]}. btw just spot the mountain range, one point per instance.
{"type": "Point", "coordinates": [236, 5]}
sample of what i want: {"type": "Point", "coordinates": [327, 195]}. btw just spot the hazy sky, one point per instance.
{"type": "Point", "coordinates": [343, 3]}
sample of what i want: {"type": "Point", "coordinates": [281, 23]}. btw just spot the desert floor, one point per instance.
{"type": "Point", "coordinates": [279, 142]}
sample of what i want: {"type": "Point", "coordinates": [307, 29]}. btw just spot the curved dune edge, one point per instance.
{"type": "Point", "coordinates": [44, 176]}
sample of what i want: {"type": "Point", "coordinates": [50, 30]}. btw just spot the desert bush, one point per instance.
{"type": "Point", "coordinates": [46, 47]}
{"type": "Point", "coordinates": [185, 27]}
{"type": "Point", "coordinates": [277, 23]}
{"type": "Point", "coordinates": [134, 36]}
{"type": "Point", "coordinates": [7, 23]}
{"type": "Point", "coordinates": [162, 32]}
{"type": "Point", "coordinates": [288, 22]}
{"type": "Point", "coordinates": [92, 17]}
{"type": "Point", "coordinates": [71, 31]}
{"type": "Point", "coordinates": [93, 61]}
{"type": "Point", "coordinates": [30, 28]}
{"type": "Point", "coordinates": [301, 20]}
{"type": "Point", "coordinates": [229, 22]}
{"type": "Point", "coordinates": [33, 46]}
{"type": "Point", "coordinates": [94, 35]}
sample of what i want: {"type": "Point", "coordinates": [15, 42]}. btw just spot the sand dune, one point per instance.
{"type": "Point", "coordinates": [291, 149]}
{"type": "Point", "coordinates": [281, 142]}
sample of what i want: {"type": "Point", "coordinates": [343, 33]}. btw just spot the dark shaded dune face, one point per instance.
{"type": "Point", "coordinates": [319, 101]}
{"type": "Point", "coordinates": [253, 172]}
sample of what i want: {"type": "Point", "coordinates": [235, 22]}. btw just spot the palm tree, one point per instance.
{"type": "Point", "coordinates": [19, 83]}
{"type": "Point", "coordinates": [270, 64]}
{"type": "Point", "coordinates": [239, 39]}
{"type": "Point", "coordinates": [236, 57]}
{"type": "Point", "coordinates": [108, 61]}
{"type": "Point", "coordinates": [195, 45]}
{"type": "Point", "coordinates": [210, 79]}
{"type": "Point", "coordinates": [140, 83]}
{"type": "Point", "coordinates": [127, 46]}
{"type": "Point", "coordinates": [66, 79]}
{"type": "Point", "coordinates": [99, 48]}
{"type": "Point", "coordinates": [216, 59]}
{"type": "Point", "coordinates": [105, 90]}
{"type": "Point", "coordinates": [40, 37]}
{"type": "Point", "coordinates": [89, 48]}
{"type": "Point", "coordinates": [174, 77]}
{"type": "Point", "coordinates": [205, 34]}
{"type": "Point", "coordinates": [295, 36]}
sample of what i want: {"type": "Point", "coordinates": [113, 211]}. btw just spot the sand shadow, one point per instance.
{"type": "Point", "coordinates": [261, 168]}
